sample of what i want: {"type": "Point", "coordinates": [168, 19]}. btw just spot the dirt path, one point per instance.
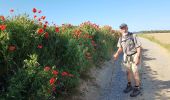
{"type": "Point", "coordinates": [110, 80]}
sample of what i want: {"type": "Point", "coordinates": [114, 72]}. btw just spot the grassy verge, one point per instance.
{"type": "Point", "coordinates": [153, 39]}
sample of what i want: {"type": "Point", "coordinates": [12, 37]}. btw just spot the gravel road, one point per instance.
{"type": "Point", "coordinates": [110, 80]}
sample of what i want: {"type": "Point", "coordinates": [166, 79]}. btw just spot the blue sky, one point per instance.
{"type": "Point", "coordinates": [138, 14]}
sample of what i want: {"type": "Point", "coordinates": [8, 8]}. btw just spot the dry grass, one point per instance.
{"type": "Point", "coordinates": [162, 39]}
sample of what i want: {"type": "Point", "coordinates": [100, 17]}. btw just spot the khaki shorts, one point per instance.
{"type": "Point", "coordinates": [129, 63]}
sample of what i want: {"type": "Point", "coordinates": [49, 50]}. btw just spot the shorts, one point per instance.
{"type": "Point", "coordinates": [129, 63]}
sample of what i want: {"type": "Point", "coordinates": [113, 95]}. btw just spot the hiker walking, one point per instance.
{"type": "Point", "coordinates": [130, 45]}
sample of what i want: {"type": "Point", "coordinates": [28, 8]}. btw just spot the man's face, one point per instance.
{"type": "Point", "coordinates": [124, 29]}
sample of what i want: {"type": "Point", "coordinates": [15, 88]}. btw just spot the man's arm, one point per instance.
{"type": "Point", "coordinates": [137, 61]}
{"type": "Point", "coordinates": [138, 51]}
{"type": "Point", "coordinates": [116, 55]}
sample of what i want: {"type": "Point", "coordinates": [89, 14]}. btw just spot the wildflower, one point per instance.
{"type": "Point", "coordinates": [35, 16]}
{"type": "Point", "coordinates": [54, 89]}
{"type": "Point", "coordinates": [11, 10]}
{"type": "Point", "coordinates": [64, 73]}
{"type": "Point", "coordinates": [46, 22]}
{"type": "Point", "coordinates": [39, 19]}
{"type": "Point", "coordinates": [2, 18]}
{"type": "Point", "coordinates": [2, 27]}
{"type": "Point", "coordinates": [40, 31]}
{"type": "Point", "coordinates": [55, 72]}
{"type": "Point", "coordinates": [39, 11]}
{"type": "Point", "coordinates": [11, 48]}
{"type": "Point", "coordinates": [71, 75]}
{"type": "Point", "coordinates": [46, 35]}
{"type": "Point", "coordinates": [57, 29]}
{"type": "Point", "coordinates": [47, 68]}
{"type": "Point", "coordinates": [43, 17]}
{"type": "Point", "coordinates": [45, 26]}
{"type": "Point", "coordinates": [40, 46]}
{"type": "Point", "coordinates": [34, 10]}
{"type": "Point", "coordinates": [52, 81]}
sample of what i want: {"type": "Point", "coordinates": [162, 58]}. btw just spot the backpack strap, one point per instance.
{"type": "Point", "coordinates": [131, 34]}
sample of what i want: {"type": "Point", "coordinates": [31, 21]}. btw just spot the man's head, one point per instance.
{"type": "Point", "coordinates": [124, 28]}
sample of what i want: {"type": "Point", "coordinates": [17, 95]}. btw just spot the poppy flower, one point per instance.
{"type": "Point", "coordinates": [46, 35]}
{"type": "Point", "coordinates": [40, 31]}
{"type": "Point", "coordinates": [55, 72]}
{"type": "Point", "coordinates": [11, 10]}
{"type": "Point", "coordinates": [39, 19]}
{"type": "Point", "coordinates": [45, 26]}
{"type": "Point", "coordinates": [64, 73]}
{"type": "Point", "coordinates": [34, 10]}
{"type": "Point", "coordinates": [39, 11]}
{"type": "Point", "coordinates": [2, 27]}
{"type": "Point", "coordinates": [40, 46]}
{"type": "Point", "coordinates": [46, 22]}
{"type": "Point", "coordinates": [47, 68]}
{"type": "Point", "coordinates": [35, 16]}
{"type": "Point", "coordinates": [2, 18]}
{"type": "Point", "coordinates": [57, 29]}
{"type": "Point", "coordinates": [43, 17]}
{"type": "Point", "coordinates": [52, 81]}
{"type": "Point", "coordinates": [11, 48]}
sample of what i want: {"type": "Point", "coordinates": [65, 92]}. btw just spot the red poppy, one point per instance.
{"type": "Point", "coordinates": [52, 81]}
{"type": "Point", "coordinates": [2, 27]}
{"type": "Point", "coordinates": [47, 68]}
{"type": "Point", "coordinates": [39, 11]}
{"type": "Point", "coordinates": [2, 18]}
{"type": "Point", "coordinates": [64, 73]}
{"type": "Point", "coordinates": [43, 17]}
{"type": "Point", "coordinates": [35, 16]}
{"type": "Point", "coordinates": [40, 46]}
{"type": "Point", "coordinates": [55, 72]}
{"type": "Point", "coordinates": [57, 29]}
{"type": "Point", "coordinates": [11, 48]}
{"type": "Point", "coordinates": [45, 26]}
{"type": "Point", "coordinates": [39, 19]}
{"type": "Point", "coordinates": [34, 10]}
{"type": "Point", "coordinates": [40, 31]}
{"type": "Point", "coordinates": [11, 10]}
{"type": "Point", "coordinates": [46, 22]}
{"type": "Point", "coordinates": [46, 35]}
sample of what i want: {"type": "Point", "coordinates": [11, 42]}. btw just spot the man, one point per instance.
{"type": "Point", "coordinates": [130, 45]}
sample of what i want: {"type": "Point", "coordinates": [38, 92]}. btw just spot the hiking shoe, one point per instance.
{"type": "Point", "coordinates": [136, 91]}
{"type": "Point", "coordinates": [128, 88]}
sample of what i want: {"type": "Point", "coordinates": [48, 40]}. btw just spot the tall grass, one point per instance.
{"type": "Point", "coordinates": [153, 39]}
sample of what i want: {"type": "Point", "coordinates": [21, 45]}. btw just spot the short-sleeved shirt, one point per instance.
{"type": "Point", "coordinates": [129, 43]}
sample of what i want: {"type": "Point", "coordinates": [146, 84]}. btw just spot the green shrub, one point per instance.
{"type": "Point", "coordinates": [27, 48]}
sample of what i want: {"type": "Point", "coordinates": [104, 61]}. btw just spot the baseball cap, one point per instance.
{"type": "Point", "coordinates": [123, 25]}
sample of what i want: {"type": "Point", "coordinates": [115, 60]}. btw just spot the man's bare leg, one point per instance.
{"type": "Point", "coordinates": [137, 78]}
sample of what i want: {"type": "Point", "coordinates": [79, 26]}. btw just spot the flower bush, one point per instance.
{"type": "Point", "coordinates": [44, 61]}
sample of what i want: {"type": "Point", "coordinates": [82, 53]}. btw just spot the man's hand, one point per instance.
{"type": "Point", "coordinates": [137, 60]}
{"type": "Point", "coordinates": [115, 56]}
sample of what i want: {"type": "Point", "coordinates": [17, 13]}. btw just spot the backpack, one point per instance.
{"type": "Point", "coordinates": [132, 37]}
{"type": "Point", "coordinates": [129, 43]}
